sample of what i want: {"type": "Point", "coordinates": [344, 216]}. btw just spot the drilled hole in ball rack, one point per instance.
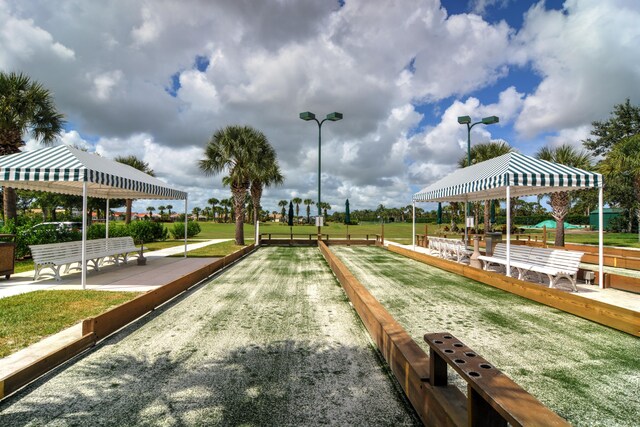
{"type": "Point", "coordinates": [469, 354]}
{"type": "Point", "coordinates": [474, 374]}
{"type": "Point", "coordinates": [485, 366]}
{"type": "Point", "coordinates": [448, 350]}
{"type": "Point", "coordinates": [439, 342]}
{"type": "Point", "coordinates": [460, 361]}
{"type": "Point", "coordinates": [458, 345]}
{"type": "Point", "coordinates": [447, 337]}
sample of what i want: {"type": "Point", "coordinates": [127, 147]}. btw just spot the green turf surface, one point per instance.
{"type": "Point", "coordinates": [587, 373]}
{"type": "Point", "coordinates": [270, 341]}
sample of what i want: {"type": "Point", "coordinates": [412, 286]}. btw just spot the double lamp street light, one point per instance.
{"type": "Point", "coordinates": [333, 117]}
{"type": "Point", "coordinates": [466, 120]}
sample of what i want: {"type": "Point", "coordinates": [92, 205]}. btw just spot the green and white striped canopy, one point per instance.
{"type": "Point", "coordinates": [524, 175]}
{"type": "Point", "coordinates": [64, 169]}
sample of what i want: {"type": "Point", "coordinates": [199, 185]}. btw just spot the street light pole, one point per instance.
{"type": "Point", "coordinates": [466, 120]}
{"type": "Point", "coordinates": [334, 117]}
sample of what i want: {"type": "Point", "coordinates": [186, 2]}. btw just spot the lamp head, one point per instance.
{"type": "Point", "coordinates": [490, 120]}
{"type": "Point", "coordinates": [334, 117]}
{"type": "Point", "coordinates": [307, 115]}
{"type": "Point", "coordinates": [464, 120]}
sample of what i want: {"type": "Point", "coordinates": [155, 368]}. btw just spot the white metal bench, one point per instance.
{"type": "Point", "coordinates": [449, 248]}
{"type": "Point", "coordinates": [58, 255]}
{"type": "Point", "coordinates": [554, 263]}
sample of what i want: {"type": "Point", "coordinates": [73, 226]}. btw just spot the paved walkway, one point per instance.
{"type": "Point", "coordinates": [611, 296]}
{"type": "Point", "coordinates": [102, 280]}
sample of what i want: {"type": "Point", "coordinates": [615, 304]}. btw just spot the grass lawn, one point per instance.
{"type": "Point", "coordinates": [586, 372]}
{"type": "Point", "coordinates": [217, 250]}
{"type": "Point", "coordinates": [271, 341]}
{"type": "Point", "coordinates": [27, 318]}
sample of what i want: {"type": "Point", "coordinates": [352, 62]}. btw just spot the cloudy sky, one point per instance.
{"type": "Point", "coordinates": [156, 78]}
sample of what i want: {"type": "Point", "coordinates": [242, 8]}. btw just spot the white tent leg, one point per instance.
{"type": "Point", "coordinates": [413, 235]}
{"type": "Point", "coordinates": [257, 238]}
{"type": "Point", "coordinates": [186, 221]}
{"type": "Point", "coordinates": [600, 238]}
{"type": "Point", "coordinates": [84, 235]}
{"type": "Point", "coordinates": [508, 231]}
{"type": "Point", "coordinates": [107, 221]}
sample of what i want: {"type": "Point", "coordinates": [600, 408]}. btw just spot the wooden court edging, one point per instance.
{"type": "Point", "coordinates": [444, 406]}
{"type": "Point", "coordinates": [24, 376]}
{"type": "Point", "coordinates": [99, 327]}
{"type": "Point", "coordinates": [623, 283]}
{"type": "Point", "coordinates": [619, 318]}
{"type": "Point", "coordinates": [112, 320]}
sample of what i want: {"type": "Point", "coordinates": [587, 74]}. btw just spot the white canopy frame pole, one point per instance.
{"type": "Point", "coordinates": [600, 239]}
{"type": "Point", "coordinates": [257, 237]}
{"type": "Point", "coordinates": [508, 231]}
{"type": "Point", "coordinates": [84, 235]}
{"type": "Point", "coordinates": [413, 235]}
{"type": "Point", "coordinates": [186, 223]}
{"type": "Point", "coordinates": [107, 223]}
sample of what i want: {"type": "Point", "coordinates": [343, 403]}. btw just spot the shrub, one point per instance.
{"type": "Point", "coordinates": [26, 235]}
{"type": "Point", "coordinates": [141, 231]}
{"type": "Point", "coordinates": [177, 230]}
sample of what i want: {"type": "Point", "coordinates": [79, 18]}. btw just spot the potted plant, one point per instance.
{"type": "Point", "coordinates": [141, 231]}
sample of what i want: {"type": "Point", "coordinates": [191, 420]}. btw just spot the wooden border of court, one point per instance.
{"type": "Point", "coordinates": [99, 327]}
{"type": "Point", "coordinates": [619, 318]}
{"type": "Point", "coordinates": [442, 405]}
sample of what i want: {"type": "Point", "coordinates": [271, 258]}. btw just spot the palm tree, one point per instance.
{"type": "Point", "coordinates": [169, 207]}
{"type": "Point", "coordinates": [236, 150]}
{"type": "Point", "coordinates": [213, 202]}
{"type": "Point", "coordinates": [283, 204]}
{"type": "Point", "coordinates": [325, 207]}
{"type": "Point", "coordinates": [161, 209]}
{"type": "Point", "coordinates": [26, 107]}
{"type": "Point", "coordinates": [135, 163]}
{"type": "Point", "coordinates": [196, 212]}
{"type": "Point", "coordinates": [150, 209]}
{"type": "Point", "coordinates": [296, 201]}
{"type": "Point", "coordinates": [483, 152]}
{"type": "Point", "coordinates": [308, 202]}
{"type": "Point", "coordinates": [560, 201]}
{"type": "Point", "coordinates": [623, 163]}
{"type": "Point", "coordinates": [265, 174]}
{"type": "Point", "coordinates": [225, 203]}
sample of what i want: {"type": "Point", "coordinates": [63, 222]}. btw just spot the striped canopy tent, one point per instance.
{"type": "Point", "coordinates": [67, 170]}
{"type": "Point", "coordinates": [507, 176]}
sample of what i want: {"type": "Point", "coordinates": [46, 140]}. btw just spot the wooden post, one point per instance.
{"type": "Point", "coordinates": [426, 239]}
{"type": "Point", "coordinates": [382, 235]}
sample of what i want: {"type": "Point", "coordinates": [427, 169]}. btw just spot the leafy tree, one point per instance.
{"type": "Point", "coordinates": [226, 204]}
{"type": "Point", "coordinates": [308, 203]}
{"type": "Point", "coordinates": [196, 212]}
{"type": "Point", "coordinates": [25, 107]}
{"type": "Point", "coordinates": [265, 173]}
{"type": "Point", "coordinates": [481, 153]}
{"type": "Point", "coordinates": [325, 207]}
{"type": "Point", "coordinates": [140, 165]}
{"type": "Point", "coordinates": [296, 201]}
{"type": "Point", "coordinates": [236, 150]}
{"type": "Point", "coordinates": [623, 164]}
{"type": "Point", "coordinates": [623, 123]}
{"type": "Point", "coordinates": [560, 201]}
{"type": "Point", "coordinates": [169, 207]}
{"type": "Point", "coordinates": [283, 204]}
{"type": "Point", "coordinates": [213, 202]}
{"type": "Point", "coordinates": [150, 209]}
{"type": "Point", "coordinates": [161, 209]}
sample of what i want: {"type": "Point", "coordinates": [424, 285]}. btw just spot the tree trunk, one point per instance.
{"type": "Point", "coordinates": [487, 208]}
{"type": "Point", "coordinates": [560, 209]}
{"type": "Point", "coordinates": [256, 195]}
{"type": "Point", "coordinates": [9, 201]}
{"type": "Point", "coordinates": [127, 212]}
{"type": "Point", "coordinates": [239, 192]}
